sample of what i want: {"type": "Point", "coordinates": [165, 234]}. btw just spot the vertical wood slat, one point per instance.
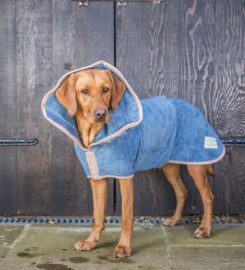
{"type": "Point", "coordinates": [34, 70]}
{"type": "Point", "coordinates": [8, 170]}
{"type": "Point", "coordinates": [189, 49]}
{"type": "Point", "coordinates": [197, 70]}
{"type": "Point", "coordinates": [80, 37]}
{"type": "Point", "coordinates": [147, 54]}
{"type": "Point", "coordinates": [228, 102]}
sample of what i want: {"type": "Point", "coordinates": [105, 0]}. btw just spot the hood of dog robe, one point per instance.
{"type": "Point", "coordinates": [141, 134]}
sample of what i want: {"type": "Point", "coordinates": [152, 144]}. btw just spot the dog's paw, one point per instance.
{"type": "Point", "coordinates": [121, 251]}
{"type": "Point", "coordinates": [84, 245]}
{"type": "Point", "coordinates": [201, 233]}
{"type": "Point", "coordinates": [170, 222]}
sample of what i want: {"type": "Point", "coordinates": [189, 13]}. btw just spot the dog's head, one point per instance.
{"type": "Point", "coordinates": [93, 91]}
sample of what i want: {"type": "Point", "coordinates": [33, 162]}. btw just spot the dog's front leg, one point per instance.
{"type": "Point", "coordinates": [100, 194]}
{"type": "Point", "coordinates": [124, 247]}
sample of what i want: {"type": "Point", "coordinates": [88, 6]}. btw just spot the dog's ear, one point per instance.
{"type": "Point", "coordinates": [117, 90]}
{"type": "Point", "coordinates": [67, 96]}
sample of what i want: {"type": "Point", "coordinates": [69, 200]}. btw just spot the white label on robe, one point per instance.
{"type": "Point", "coordinates": [210, 143]}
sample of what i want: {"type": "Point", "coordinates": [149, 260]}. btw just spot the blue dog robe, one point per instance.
{"type": "Point", "coordinates": [141, 134]}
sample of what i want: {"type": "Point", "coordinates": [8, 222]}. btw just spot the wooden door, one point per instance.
{"type": "Point", "coordinates": [40, 41]}
{"type": "Point", "coordinates": [190, 49]}
{"type": "Point", "coordinates": [193, 50]}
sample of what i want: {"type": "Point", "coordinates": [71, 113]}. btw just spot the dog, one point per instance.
{"type": "Point", "coordinates": [90, 96]}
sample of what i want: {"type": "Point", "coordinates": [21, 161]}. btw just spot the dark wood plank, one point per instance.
{"type": "Point", "coordinates": [81, 36]}
{"type": "Point", "coordinates": [197, 70]}
{"type": "Point", "coordinates": [228, 100]}
{"type": "Point", "coordinates": [229, 183]}
{"type": "Point", "coordinates": [197, 53]}
{"type": "Point", "coordinates": [147, 54]}
{"type": "Point", "coordinates": [8, 172]}
{"type": "Point", "coordinates": [34, 71]}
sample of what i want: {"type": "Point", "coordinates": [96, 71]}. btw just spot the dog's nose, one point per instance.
{"type": "Point", "coordinates": [100, 114]}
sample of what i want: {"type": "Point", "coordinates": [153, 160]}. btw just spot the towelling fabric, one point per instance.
{"type": "Point", "coordinates": [141, 134]}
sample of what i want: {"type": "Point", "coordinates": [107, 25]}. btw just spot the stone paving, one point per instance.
{"type": "Point", "coordinates": [49, 247]}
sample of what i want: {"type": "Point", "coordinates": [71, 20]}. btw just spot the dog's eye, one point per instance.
{"type": "Point", "coordinates": [106, 89]}
{"type": "Point", "coordinates": [85, 91]}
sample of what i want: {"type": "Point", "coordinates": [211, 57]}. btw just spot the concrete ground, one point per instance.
{"type": "Point", "coordinates": [49, 247]}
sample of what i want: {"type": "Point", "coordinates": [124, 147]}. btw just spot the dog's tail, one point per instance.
{"type": "Point", "coordinates": [210, 170]}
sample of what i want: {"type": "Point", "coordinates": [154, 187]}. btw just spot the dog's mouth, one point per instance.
{"type": "Point", "coordinates": [103, 121]}
{"type": "Point", "coordinates": [100, 121]}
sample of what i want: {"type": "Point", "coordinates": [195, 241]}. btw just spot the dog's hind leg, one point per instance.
{"type": "Point", "coordinates": [100, 193]}
{"type": "Point", "coordinates": [172, 173]}
{"type": "Point", "coordinates": [199, 174]}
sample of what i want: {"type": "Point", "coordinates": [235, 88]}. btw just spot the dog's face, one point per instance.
{"type": "Point", "coordinates": [93, 91]}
